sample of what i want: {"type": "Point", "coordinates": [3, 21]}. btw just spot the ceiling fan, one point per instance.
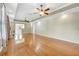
{"type": "Point", "coordinates": [43, 11]}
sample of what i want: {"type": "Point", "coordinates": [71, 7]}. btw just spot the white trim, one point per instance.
{"type": "Point", "coordinates": [59, 39]}
{"type": "Point", "coordinates": [63, 6]}
{"type": "Point", "coordinates": [68, 41]}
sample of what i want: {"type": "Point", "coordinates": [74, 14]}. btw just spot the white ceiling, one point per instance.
{"type": "Point", "coordinates": [21, 10]}
{"type": "Point", "coordinates": [28, 10]}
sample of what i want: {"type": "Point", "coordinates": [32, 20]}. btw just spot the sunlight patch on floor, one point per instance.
{"type": "Point", "coordinates": [19, 41]}
{"type": "Point", "coordinates": [1, 49]}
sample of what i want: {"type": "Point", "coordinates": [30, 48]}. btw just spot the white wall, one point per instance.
{"type": "Point", "coordinates": [63, 26]}
{"type": "Point", "coordinates": [0, 28]}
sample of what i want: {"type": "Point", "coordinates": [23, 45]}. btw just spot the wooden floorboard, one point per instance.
{"type": "Point", "coordinates": [42, 46]}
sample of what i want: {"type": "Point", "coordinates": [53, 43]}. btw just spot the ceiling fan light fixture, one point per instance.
{"type": "Point", "coordinates": [41, 13]}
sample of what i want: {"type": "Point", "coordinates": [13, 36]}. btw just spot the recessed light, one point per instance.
{"type": "Point", "coordinates": [39, 23]}
{"type": "Point", "coordinates": [64, 15]}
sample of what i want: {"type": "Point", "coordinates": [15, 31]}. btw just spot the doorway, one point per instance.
{"type": "Point", "coordinates": [18, 32]}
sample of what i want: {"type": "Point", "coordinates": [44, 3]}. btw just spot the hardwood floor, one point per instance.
{"type": "Point", "coordinates": [42, 46]}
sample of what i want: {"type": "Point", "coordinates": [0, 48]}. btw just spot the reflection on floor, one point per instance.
{"type": "Point", "coordinates": [42, 46]}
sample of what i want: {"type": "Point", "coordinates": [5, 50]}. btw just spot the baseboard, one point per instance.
{"type": "Point", "coordinates": [59, 39]}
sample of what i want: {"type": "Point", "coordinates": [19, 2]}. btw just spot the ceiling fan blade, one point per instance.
{"type": "Point", "coordinates": [33, 13]}
{"type": "Point", "coordinates": [38, 9]}
{"type": "Point", "coordinates": [46, 13]}
{"type": "Point", "coordinates": [47, 9]}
